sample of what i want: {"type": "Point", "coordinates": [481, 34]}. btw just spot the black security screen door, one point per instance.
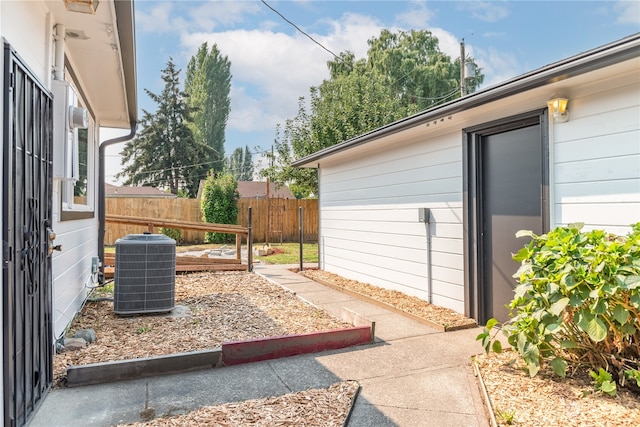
{"type": "Point", "coordinates": [26, 271]}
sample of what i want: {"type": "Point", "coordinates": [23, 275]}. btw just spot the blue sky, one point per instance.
{"type": "Point", "coordinates": [272, 64]}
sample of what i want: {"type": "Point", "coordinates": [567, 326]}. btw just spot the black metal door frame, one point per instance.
{"type": "Point", "coordinates": [474, 289]}
{"type": "Point", "coordinates": [26, 270]}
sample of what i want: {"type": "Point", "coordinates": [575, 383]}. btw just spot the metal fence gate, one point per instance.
{"type": "Point", "coordinates": [26, 271]}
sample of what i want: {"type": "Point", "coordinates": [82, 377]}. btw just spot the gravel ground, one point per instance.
{"type": "Point", "coordinates": [413, 305]}
{"type": "Point", "coordinates": [547, 400]}
{"type": "Point", "coordinates": [326, 407]}
{"type": "Point", "coordinates": [235, 306]}
{"type": "Point", "coordinates": [228, 306]}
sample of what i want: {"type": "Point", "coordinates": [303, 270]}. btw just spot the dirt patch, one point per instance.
{"type": "Point", "coordinates": [327, 407]}
{"type": "Point", "coordinates": [445, 318]}
{"type": "Point", "coordinates": [220, 307]}
{"type": "Point", "coordinates": [547, 400]}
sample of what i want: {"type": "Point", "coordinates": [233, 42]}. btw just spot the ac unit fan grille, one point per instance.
{"type": "Point", "coordinates": [145, 274]}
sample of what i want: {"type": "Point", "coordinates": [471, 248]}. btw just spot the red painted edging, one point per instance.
{"type": "Point", "coordinates": [235, 353]}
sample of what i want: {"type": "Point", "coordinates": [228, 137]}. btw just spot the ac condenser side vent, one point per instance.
{"type": "Point", "coordinates": [145, 274]}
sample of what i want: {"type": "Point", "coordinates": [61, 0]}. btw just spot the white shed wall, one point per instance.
{"type": "Point", "coordinates": [369, 219]}
{"type": "Point", "coordinates": [596, 156]}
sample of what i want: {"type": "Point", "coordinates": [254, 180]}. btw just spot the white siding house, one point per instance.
{"type": "Point", "coordinates": [485, 165]}
{"type": "Point", "coordinates": [65, 74]}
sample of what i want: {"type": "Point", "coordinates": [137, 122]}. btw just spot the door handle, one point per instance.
{"type": "Point", "coordinates": [51, 247]}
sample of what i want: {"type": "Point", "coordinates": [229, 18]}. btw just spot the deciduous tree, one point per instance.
{"type": "Point", "coordinates": [403, 73]}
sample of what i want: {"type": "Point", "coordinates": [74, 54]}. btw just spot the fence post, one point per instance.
{"type": "Point", "coordinates": [301, 237]}
{"type": "Point", "coordinates": [249, 244]}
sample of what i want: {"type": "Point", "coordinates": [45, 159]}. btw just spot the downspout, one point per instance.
{"type": "Point", "coordinates": [424, 215]}
{"type": "Point", "coordinates": [101, 193]}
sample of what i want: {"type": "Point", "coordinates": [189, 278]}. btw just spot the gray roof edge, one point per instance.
{"type": "Point", "coordinates": [609, 54]}
{"type": "Point", "coordinates": [125, 18]}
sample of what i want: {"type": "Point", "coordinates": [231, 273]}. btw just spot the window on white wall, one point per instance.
{"type": "Point", "coordinates": [74, 151]}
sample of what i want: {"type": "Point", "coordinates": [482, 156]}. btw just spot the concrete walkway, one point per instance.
{"type": "Point", "coordinates": [412, 375]}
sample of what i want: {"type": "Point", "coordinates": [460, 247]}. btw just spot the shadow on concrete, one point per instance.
{"type": "Point", "coordinates": [126, 401]}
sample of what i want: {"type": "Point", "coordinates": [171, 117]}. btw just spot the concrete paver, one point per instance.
{"type": "Point", "coordinates": [412, 376]}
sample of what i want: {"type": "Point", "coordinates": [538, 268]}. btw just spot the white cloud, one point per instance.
{"type": "Point", "coordinates": [158, 19]}
{"type": "Point", "coordinates": [271, 70]}
{"type": "Point", "coordinates": [628, 12]}
{"type": "Point", "coordinates": [496, 66]}
{"type": "Point", "coordinates": [486, 11]}
{"type": "Point", "coordinates": [200, 16]}
{"type": "Point", "coordinates": [417, 16]}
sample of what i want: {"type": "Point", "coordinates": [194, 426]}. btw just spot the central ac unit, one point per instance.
{"type": "Point", "coordinates": [145, 274]}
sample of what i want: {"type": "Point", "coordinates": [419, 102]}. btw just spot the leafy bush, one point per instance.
{"type": "Point", "coordinates": [577, 303]}
{"type": "Point", "coordinates": [174, 233]}
{"type": "Point", "coordinates": [220, 205]}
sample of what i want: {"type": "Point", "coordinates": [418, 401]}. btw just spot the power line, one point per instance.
{"type": "Point", "coordinates": [300, 30]}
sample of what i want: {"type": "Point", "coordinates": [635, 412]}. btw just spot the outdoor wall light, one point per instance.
{"type": "Point", "coordinates": [558, 108]}
{"type": "Point", "coordinates": [82, 6]}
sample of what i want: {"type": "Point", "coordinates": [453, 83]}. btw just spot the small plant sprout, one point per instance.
{"type": "Point", "coordinates": [143, 329]}
{"type": "Point", "coordinates": [507, 417]}
{"type": "Point", "coordinates": [603, 382]}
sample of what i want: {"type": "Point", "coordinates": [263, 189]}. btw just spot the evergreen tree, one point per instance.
{"type": "Point", "coordinates": [240, 164]}
{"type": "Point", "coordinates": [208, 83]}
{"type": "Point", "coordinates": [234, 164]}
{"type": "Point", "coordinates": [163, 152]}
{"type": "Point", "coordinates": [247, 165]}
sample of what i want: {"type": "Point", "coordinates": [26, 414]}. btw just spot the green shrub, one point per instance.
{"type": "Point", "coordinates": [220, 205]}
{"type": "Point", "coordinates": [174, 233]}
{"type": "Point", "coordinates": [577, 303]}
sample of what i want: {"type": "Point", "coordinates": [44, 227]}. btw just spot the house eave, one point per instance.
{"type": "Point", "coordinates": [613, 53]}
{"type": "Point", "coordinates": [100, 57]}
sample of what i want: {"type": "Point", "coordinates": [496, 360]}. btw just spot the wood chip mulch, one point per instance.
{"type": "Point", "coordinates": [415, 306]}
{"type": "Point", "coordinates": [547, 400]}
{"type": "Point", "coordinates": [222, 307]}
{"type": "Point", "coordinates": [326, 407]}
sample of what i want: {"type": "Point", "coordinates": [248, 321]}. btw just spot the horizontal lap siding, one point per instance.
{"type": "Point", "coordinates": [71, 269]}
{"type": "Point", "coordinates": [369, 219]}
{"type": "Point", "coordinates": [597, 158]}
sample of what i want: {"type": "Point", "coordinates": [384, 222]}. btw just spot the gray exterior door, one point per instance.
{"type": "Point", "coordinates": [507, 186]}
{"type": "Point", "coordinates": [26, 269]}
{"type": "Point", "coordinates": [511, 201]}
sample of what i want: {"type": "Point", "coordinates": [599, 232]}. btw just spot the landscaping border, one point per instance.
{"type": "Point", "coordinates": [441, 328]}
{"type": "Point", "coordinates": [229, 354]}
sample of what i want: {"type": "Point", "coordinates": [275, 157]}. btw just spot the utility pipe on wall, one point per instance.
{"type": "Point", "coordinates": [58, 60]}
{"type": "Point", "coordinates": [424, 216]}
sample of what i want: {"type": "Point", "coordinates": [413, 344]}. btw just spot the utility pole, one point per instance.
{"type": "Point", "coordinates": [463, 62]}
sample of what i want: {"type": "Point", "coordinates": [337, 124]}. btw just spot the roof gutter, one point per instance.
{"type": "Point", "coordinates": [126, 31]}
{"type": "Point", "coordinates": [613, 53]}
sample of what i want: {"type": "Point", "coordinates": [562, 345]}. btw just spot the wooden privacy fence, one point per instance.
{"type": "Point", "coordinates": [181, 209]}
